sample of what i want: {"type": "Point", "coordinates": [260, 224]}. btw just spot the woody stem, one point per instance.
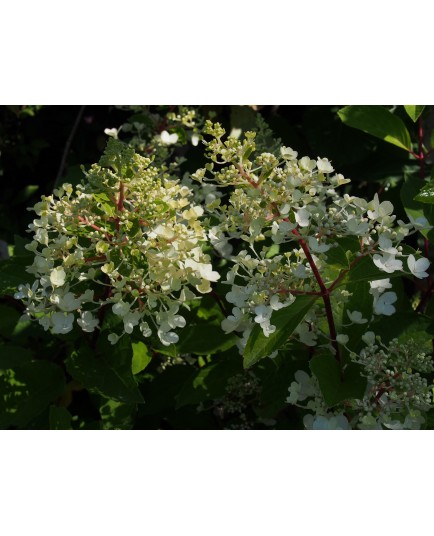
{"type": "Point", "coordinates": [325, 294]}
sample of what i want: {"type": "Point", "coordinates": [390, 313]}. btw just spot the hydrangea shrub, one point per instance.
{"type": "Point", "coordinates": [293, 260]}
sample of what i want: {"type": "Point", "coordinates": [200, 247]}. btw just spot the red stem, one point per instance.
{"type": "Point", "coordinates": [120, 203]}
{"type": "Point", "coordinates": [325, 294]}
{"type": "Point", "coordinates": [83, 220]}
{"type": "Point", "coordinates": [99, 258]}
{"type": "Point", "coordinates": [121, 198]}
{"type": "Point", "coordinates": [344, 272]}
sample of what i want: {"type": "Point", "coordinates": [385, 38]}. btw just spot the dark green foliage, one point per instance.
{"type": "Point", "coordinates": [337, 385]}
{"type": "Point", "coordinates": [286, 320]}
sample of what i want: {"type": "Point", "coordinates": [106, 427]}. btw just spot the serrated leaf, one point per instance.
{"type": "Point", "coordinates": [286, 320]}
{"type": "Point", "coordinates": [414, 111]}
{"type": "Point", "coordinates": [107, 372]}
{"type": "Point", "coordinates": [379, 122]}
{"type": "Point", "coordinates": [334, 389]}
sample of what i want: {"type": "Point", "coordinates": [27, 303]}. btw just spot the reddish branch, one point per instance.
{"type": "Point", "coordinates": [324, 291]}
{"type": "Point", "coordinates": [120, 203]}
{"type": "Point", "coordinates": [325, 294]}
{"type": "Point", "coordinates": [98, 258]}
{"type": "Point", "coordinates": [384, 388]}
{"type": "Point", "coordinates": [93, 226]}
{"type": "Point", "coordinates": [344, 272]}
{"type": "Point", "coordinates": [121, 198]}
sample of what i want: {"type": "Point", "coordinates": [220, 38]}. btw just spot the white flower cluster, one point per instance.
{"type": "Point", "coordinates": [128, 239]}
{"type": "Point", "coordinates": [396, 397]}
{"type": "Point", "coordinates": [287, 213]}
{"type": "Point", "coordinates": [306, 387]}
{"type": "Point", "coordinates": [261, 277]}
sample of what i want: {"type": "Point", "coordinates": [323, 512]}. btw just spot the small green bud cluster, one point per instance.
{"type": "Point", "coordinates": [396, 397]}
{"type": "Point", "coordinates": [240, 391]}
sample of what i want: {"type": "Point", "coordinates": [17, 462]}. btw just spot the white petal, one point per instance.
{"type": "Point", "coordinates": [57, 277]}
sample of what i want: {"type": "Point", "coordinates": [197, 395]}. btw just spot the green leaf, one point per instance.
{"type": "Point", "coordinates": [379, 122]}
{"type": "Point", "coordinates": [286, 320]}
{"type": "Point", "coordinates": [110, 322]}
{"type": "Point", "coordinates": [344, 248]}
{"type": "Point", "coordinates": [208, 382]}
{"type": "Point", "coordinates": [141, 357]}
{"type": "Point", "coordinates": [415, 209]}
{"type": "Point", "coordinates": [204, 339]}
{"type": "Point", "coordinates": [105, 204]}
{"type": "Point", "coordinates": [117, 415]}
{"type": "Point", "coordinates": [414, 111]}
{"type": "Point", "coordinates": [13, 273]}
{"type": "Point", "coordinates": [274, 380]}
{"type": "Point", "coordinates": [8, 320]}
{"type": "Point", "coordinates": [406, 326]}
{"type": "Point", "coordinates": [161, 392]}
{"type": "Point", "coordinates": [60, 418]}
{"type": "Point", "coordinates": [12, 356]}
{"type": "Point", "coordinates": [27, 390]}
{"type": "Point", "coordinates": [426, 194]}
{"type": "Point", "coordinates": [273, 250]}
{"type": "Point", "coordinates": [243, 117]}
{"type": "Point", "coordinates": [333, 388]}
{"type": "Point", "coordinates": [365, 270]}
{"type": "Point", "coordinates": [107, 372]}
{"type": "Point", "coordinates": [360, 300]}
